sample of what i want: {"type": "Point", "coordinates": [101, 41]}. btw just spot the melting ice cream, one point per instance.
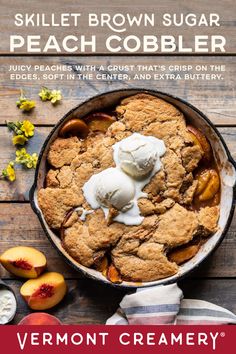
{"type": "Point", "coordinates": [137, 159]}
{"type": "Point", "coordinates": [138, 154]}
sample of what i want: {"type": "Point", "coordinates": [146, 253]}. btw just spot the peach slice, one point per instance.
{"type": "Point", "coordinates": [39, 318]}
{"type": "Point", "coordinates": [74, 127]}
{"type": "Point", "coordinates": [208, 185]}
{"type": "Point", "coordinates": [212, 187]}
{"type": "Point", "coordinates": [200, 139]}
{"type": "Point", "coordinates": [203, 180]}
{"type": "Point", "coordinates": [44, 292]}
{"type": "Point", "coordinates": [113, 275]}
{"type": "Point", "coordinates": [99, 121]}
{"type": "Point", "coordinates": [103, 266]}
{"type": "Point", "coordinates": [181, 255]}
{"type": "Point", "coordinates": [25, 262]}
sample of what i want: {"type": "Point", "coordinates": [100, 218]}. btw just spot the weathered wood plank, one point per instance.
{"type": "Point", "coordinates": [214, 98]}
{"type": "Point", "coordinates": [19, 190]}
{"type": "Point", "coordinates": [20, 226]}
{"type": "Point", "coordinates": [225, 9]}
{"type": "Point", "coordinates": [89, 302]}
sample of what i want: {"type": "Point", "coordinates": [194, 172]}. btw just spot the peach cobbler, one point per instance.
{"type": "Point", "coordinates": [134, 191]}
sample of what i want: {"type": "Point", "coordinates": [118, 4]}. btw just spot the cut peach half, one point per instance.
{"type": "Point", "coordinates": [200, 139]}
{"type": "Point", "coordinates": [25, 262]}
{"type": "Point", "coordinates": [74, 127]}
{"type": "Point", "coordinates": [44, 292]}
{"type": "Point", "coordinates": [99, 121]}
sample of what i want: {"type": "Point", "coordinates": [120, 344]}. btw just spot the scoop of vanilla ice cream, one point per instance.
{"type": "Point", "coordinates": [137, 155]}
{"type": "Point", "coordinates": [114, 188]}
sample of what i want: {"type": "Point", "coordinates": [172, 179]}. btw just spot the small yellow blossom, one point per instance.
{"type": "Point", "coordinates": [45, 94]}
{"type": "Point", "coordinates": [9, 172]}
{"type": "Point", "coordinates": [27, 105]}
{"type": "Point", "coordinates": [32, 161]}
{"type": "Point", "coordinates": [19, 140]}
{"type": "Point", "coordinates": [55, 96]}
{"type": "Point", "coordinates": [50, 95]}
{"type": "Point", "coordinates": [25, 159]}
{"type": "Point", "coordinates": [28, 128]}
{"type": "Point", "coordinates": [20, 154]}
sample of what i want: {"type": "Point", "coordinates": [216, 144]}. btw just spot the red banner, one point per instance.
{"type": "Point", "coordinates": [117, 339]}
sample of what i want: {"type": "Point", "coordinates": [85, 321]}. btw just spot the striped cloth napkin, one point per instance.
{"type": "Point", "coordinates": [161, 305]}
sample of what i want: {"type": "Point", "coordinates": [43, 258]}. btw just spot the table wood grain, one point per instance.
{"type": "Point", "coordinates": [88, 301]}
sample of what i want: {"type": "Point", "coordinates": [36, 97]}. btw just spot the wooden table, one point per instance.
{"type": "Point", "coordinates": [88, 301]}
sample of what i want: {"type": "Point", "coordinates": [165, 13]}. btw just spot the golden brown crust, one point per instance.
{"type": "Point", "coordinates": [142, 109]}
{"type": "Point", "coordinates": [147, 264]}
{"type": "Point", "coordinates": [84, 241]}
{"type": "Point", "coordinates": [62, 151]}
{"type": "Point", "coordinates": [176, 227]}
{"type": "Point", "coordinates": [57, 202]}
{"type": "Point", "coordinates": [207, 220]}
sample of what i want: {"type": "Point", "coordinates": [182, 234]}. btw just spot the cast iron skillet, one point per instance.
{"type": "Point", "coordinates": [225, 162]}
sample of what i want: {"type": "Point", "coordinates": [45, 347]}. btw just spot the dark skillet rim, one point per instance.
{"type": "Point", "coordinates": [164, 281]}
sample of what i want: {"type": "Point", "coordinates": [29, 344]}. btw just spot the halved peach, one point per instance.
{"type": "Point", "coordinates": [200, 139]}
{"type": "Point", "coordinates": [44, 292]}
{"type": "Point", "coordinates": [25, 262]}
{"type": "Point", "coordinates": [39, 318]}
{"type": "Point", "coordinates": [74, 127]}
{"type": "Point", "coordinates": [99, 121]}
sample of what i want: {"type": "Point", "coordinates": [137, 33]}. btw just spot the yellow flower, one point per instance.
{"type": "Point", "coordinates": [22, 151]}
{"type": "Point", "coordinates": [45, 94]}
{"type": "Point", "coordinates": [27, 105]}
{"type": "Point", "coordinates": [9, 172]}
{"type": "Point", "coordinates": [19, 140]}
{"type": "Point", "coordinates": [28, 128]}
{"type": "Point", "coordinates": [20, 154]}
{"type": "Point", "coordinates": [31, 160]}
{"type": "Point", "coordinates": [25, 159]}
{"type": "Point", "coordinates": [55, 96]}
